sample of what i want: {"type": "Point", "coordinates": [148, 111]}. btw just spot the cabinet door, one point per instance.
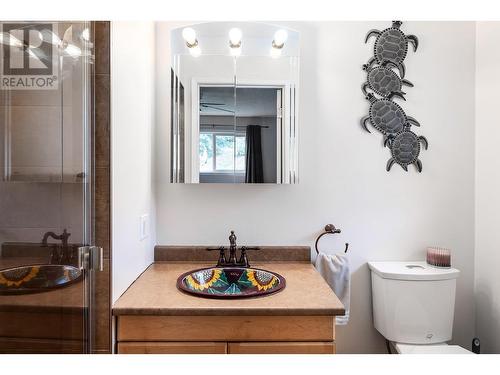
{"type": "Point", "coordinates": [172, 348]}
{"type": "Point", "coordinates": [281, 347]}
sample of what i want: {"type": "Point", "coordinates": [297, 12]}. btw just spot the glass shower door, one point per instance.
{"type": "Point", "coordinates": [47, 261]}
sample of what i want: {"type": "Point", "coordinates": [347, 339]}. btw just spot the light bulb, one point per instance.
{"type": "Point", "coordinates": [235, 37]}
{"type": "Point", "coordinates": [280, 38]}
{"type": "Point", "coordinates": [189, 36]}
{"type": "Point", "coordinates": [275, 52]}
{"type": "Point", "coordinates": [195, 51]}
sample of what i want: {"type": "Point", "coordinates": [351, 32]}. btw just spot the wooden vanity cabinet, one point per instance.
{"type": "Point", "coordinates": [153, 316]}
{"type": "Point", "coordinates": [270, 334]}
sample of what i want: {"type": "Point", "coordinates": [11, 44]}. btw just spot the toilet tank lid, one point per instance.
{"type": "Point", "coordinates": [412, 271]}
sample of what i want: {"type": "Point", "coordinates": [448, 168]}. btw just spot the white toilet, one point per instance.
{"type": "Point", "coordinates": [413, 306]}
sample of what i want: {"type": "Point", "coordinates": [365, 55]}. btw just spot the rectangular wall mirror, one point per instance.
{"type": "Point", "coordinates": [234, 108]}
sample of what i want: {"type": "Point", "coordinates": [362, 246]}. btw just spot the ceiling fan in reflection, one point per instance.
{"type": "Point", "coordinates": [214, 106]}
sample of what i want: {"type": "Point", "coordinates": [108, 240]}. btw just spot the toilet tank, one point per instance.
{"type": "Point", "coordinates": [413, 302]}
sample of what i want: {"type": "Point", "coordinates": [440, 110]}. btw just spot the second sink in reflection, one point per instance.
{"type": "Point", "coordinates": [37, 278]}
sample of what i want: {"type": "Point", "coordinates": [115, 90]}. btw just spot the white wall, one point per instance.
{"type": "Point", "coordinates": [487, 286]}
{"type": "Point", "coordinates": [132, 117]}
{"type": "Point", "coordinates": [384, 216]}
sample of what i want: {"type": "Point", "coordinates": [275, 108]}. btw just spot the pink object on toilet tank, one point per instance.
{"type": "Point", "coordinates": [439, 257]}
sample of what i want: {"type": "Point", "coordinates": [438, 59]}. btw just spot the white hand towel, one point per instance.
{"type": "Point", "coordinates": [335, 270]}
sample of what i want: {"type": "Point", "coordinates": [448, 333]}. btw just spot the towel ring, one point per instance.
{"type": "Point", "coordinates": [329, 229]}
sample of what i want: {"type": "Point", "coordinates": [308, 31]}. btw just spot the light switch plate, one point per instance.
{"type": "Point", "coordinates": [144, 228]}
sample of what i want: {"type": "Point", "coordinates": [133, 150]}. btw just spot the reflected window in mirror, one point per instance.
{"type": "Point", "coordinates": [239, 134]}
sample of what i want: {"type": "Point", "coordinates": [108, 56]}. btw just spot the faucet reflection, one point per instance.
{"type": "Point", "coordinates": [63, 237]}
{"type": "Point", "coordinates": [60, 254]}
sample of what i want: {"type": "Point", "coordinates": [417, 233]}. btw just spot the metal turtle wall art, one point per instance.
{"type": "Point", "coordinates": [383, 81]}
{"type": "Point", "coordinates": [391, 46]}
{"type": "Point", "coordinates": [405, 149]}
{"type": "Point", "coordinates": [386, 116]}
{"type": "Point", "coordinates": [382, 85]}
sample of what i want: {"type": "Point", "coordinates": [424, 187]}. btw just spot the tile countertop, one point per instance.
{"type": "Point", "coordinates": [155, 293]}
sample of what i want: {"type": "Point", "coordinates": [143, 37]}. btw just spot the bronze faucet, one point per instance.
{"type": "Point", "coordinates": [223, 261]}
{"type": "Point", "coordinates": [63, 237]}
{"type": "Point", "coordinates": [57, 257]}
{"type": "Point", "coordinates": [232, 248]}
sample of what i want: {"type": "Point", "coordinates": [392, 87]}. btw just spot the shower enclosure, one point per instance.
{"type": "Point", "coordinates": [48, 258]}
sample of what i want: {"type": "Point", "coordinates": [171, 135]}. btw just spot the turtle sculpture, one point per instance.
{"type": "Point", "coordinates": [405, 149]}
{"type": "Point", "coordinates": [391, 46]}
{"type": "Point", "coordinates": [383, 81]}
{"type": "Point", "coordinates": [386, 116]}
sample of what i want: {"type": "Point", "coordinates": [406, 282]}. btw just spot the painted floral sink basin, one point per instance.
{"type": "Point", "coordinates": [230, 282]}
{"type": "Point", "coordinates": [37, 278]}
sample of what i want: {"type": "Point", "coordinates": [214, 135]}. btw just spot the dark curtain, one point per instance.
{"type": "Point", "coordinates": [254, 169]}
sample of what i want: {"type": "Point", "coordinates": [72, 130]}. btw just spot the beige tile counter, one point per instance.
{"type": "Point", "coordinates": [155, 293]}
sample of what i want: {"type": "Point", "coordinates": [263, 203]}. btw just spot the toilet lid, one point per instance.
{"type": "Point", "coordinates": [430, 349]}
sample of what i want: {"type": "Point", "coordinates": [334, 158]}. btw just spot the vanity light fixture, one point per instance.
{"type": "Point", "coordinates": [189, 36]}
{"type": "Point", "coordinates": [235, 41]}
{"type": "Point", "coordinates": [279, 40]}
{"type": "Point", "coordinates": [235, 38]}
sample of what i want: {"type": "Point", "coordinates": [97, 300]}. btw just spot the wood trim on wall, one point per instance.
{"type": "Point", "coordinates": [102, 166]}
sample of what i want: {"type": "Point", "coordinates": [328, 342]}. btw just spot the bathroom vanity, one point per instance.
{"type": "Point", "coordinates": [153, 316]}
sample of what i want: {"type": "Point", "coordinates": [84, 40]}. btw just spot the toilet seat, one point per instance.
{"type": "Point", "coordinates": [429, 349]}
